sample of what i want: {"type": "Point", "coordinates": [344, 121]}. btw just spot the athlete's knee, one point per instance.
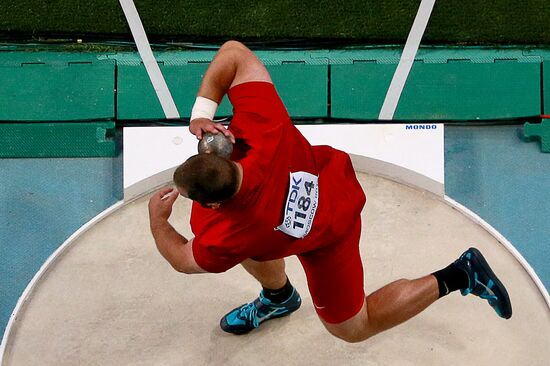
{"type": "Point", "coordinates": [354, 330]}
{"type": "Point", "coordinates": [353, 336]}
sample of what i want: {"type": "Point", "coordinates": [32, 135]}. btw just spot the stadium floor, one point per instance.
{"type": "Point", "coordinates": [111, 299]}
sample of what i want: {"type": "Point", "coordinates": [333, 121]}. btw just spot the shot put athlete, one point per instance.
{"type": "Point", "coordinates": [278, 196]}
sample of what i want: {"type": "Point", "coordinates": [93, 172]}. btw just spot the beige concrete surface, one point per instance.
{"type": "Point", "coordinates": [111, 299]}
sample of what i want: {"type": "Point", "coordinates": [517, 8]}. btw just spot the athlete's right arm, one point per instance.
{"type": "Point", "coordinates": [173, 246]}
{"type": "Point", "coordinates": [234, 64]}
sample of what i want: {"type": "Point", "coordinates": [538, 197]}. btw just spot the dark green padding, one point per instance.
{"type": "Point", "coordinates": [468, 91]}
{"type": "Point", "coordinates": [57, 92]}
{"type": "Point", "coordinates": [452, 91]}
{"type": "Point", "coordinates": [63, 139]}
{"type": "Point", "coordinates": [302, 87]}
{"type": "Point", "coordinates": [137, 99]}
{"type": "Point", "coordinates": [358, 90]}
{"type": "Point", "coordinates": [546, 86]}
{"type": "Point", "coordinates": [541, 132]}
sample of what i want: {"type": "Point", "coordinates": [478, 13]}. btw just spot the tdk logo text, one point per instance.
{"type": "Point", "coordinates": [421, 127]}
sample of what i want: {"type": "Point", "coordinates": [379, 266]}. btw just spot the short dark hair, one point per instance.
{"type": "Point", "coordinates": [207, 178]}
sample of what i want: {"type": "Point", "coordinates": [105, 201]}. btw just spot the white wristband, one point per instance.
{"type": "Point", "coordinates": [204, 108]}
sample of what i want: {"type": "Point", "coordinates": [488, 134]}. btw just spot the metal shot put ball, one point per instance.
{"type": "Point", "coordinates": [215, 144]}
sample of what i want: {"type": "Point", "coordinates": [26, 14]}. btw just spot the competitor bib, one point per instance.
{"type": "Point", "coordinates": [301, 204]}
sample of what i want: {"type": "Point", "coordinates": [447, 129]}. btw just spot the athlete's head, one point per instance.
{"type": "Point", "coordinates": [207, 179]}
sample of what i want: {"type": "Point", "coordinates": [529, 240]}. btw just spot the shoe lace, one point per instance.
{"type": "Point", "coordinates": [249, 312]}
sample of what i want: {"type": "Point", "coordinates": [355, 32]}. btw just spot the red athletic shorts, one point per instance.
{"type": "Point", "coordinates": [335, 278]}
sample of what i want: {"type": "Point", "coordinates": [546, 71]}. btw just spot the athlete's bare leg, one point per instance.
{"type": "Point", "coordinates": [387, 307]}
{"type": "Point", "coordinates": [270, 274]}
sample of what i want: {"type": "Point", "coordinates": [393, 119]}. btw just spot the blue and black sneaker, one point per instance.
{"type": "Point", "coordinates": [249, 316]}
{"type": "Point", "coordinates": [484, 283]}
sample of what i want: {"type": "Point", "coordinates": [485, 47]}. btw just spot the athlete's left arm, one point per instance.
{"type": "Point", "coordinates": [173, 246]}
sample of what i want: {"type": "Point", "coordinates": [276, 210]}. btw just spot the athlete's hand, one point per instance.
{"type": "Point", "coordinates": [160, 205]}
{"type": "Point", "coordinates": [198, 126]}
